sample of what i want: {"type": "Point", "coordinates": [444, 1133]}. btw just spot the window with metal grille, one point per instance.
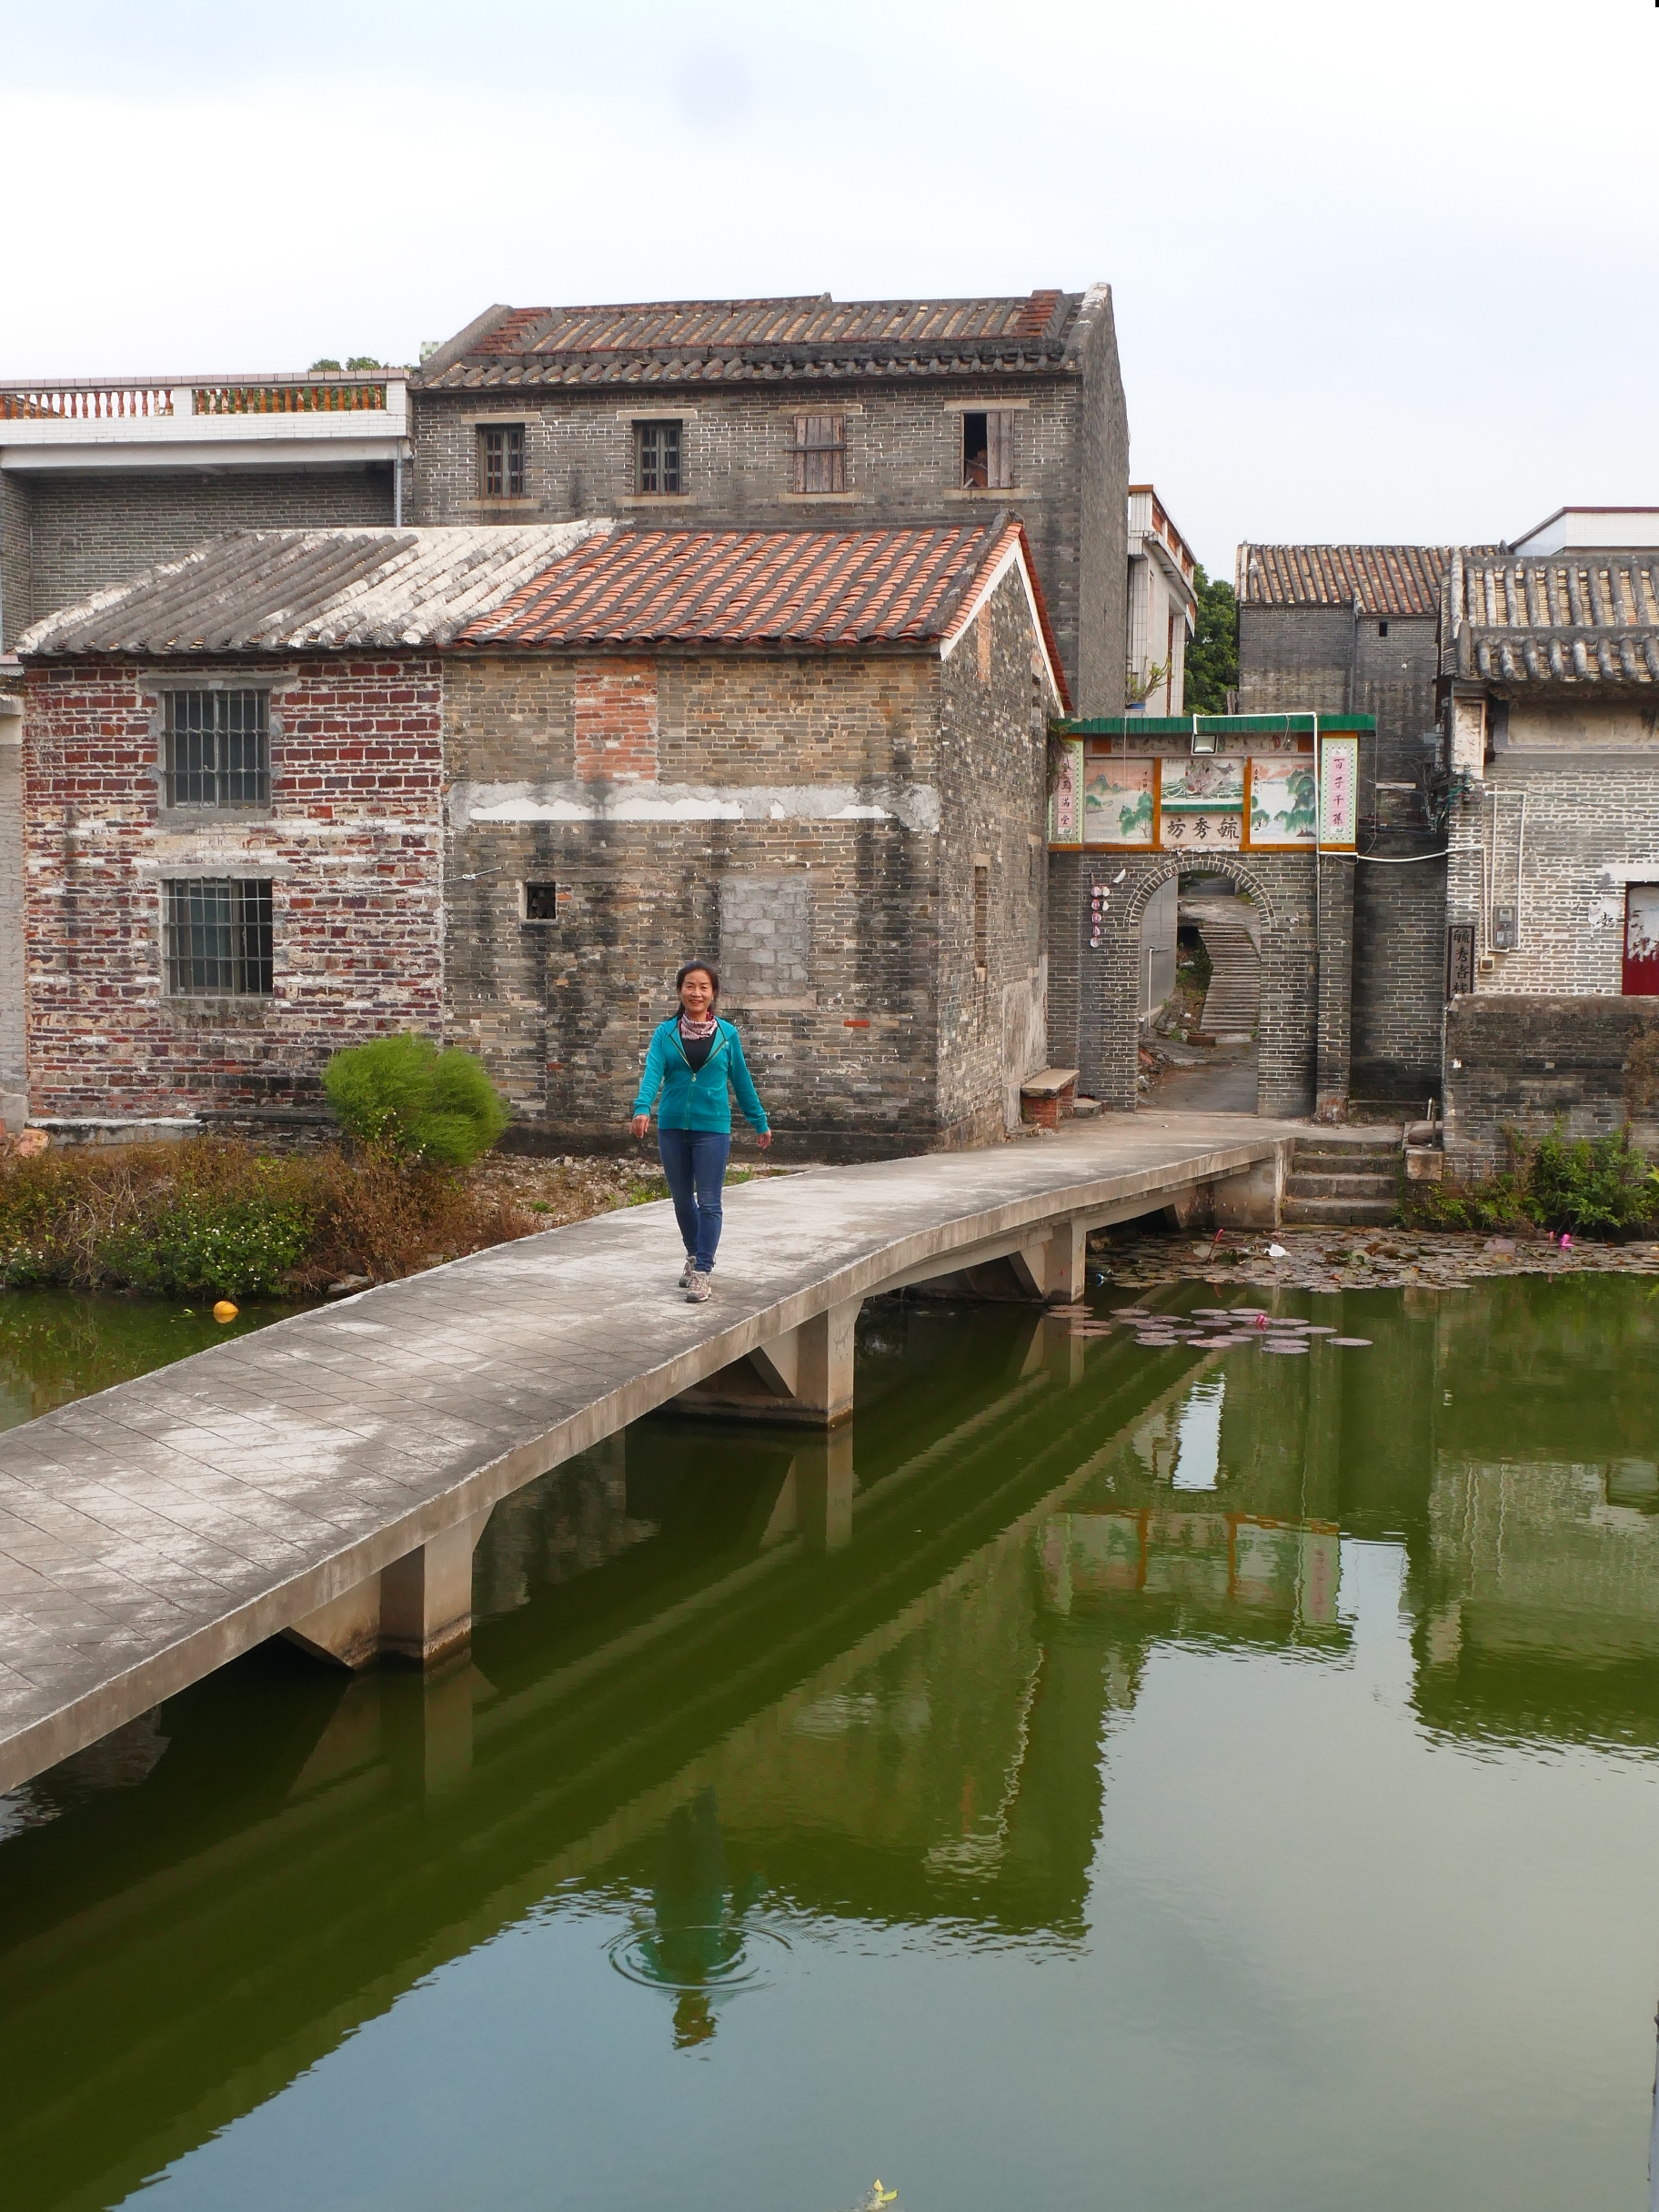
{"type": "Point", "coordinates": [981, 915]}
{"type": "Point", "coordinates": [218, 749]}
{"type": "Point", "coordinates": [504, 462]}
{"type": "Point", "coordinates": [657, 456]}
{"type": "Point", "coordinates": [821, 453]}
{"type": "Point", "coordinates": [217, 931]}
{"type": "Point", "coordinates": [542, 902]}
{"type": "Point", "coordinates": [988, 451]}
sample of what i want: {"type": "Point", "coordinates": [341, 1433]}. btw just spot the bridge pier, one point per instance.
{"type": "Point", "coordinates": [804, 1375]}
{"type": "Point", "coordinates": [418, 1610]}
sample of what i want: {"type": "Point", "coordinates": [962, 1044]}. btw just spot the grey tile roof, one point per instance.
{"type": "Point", "coordinates": [700, 341]}
{"type": "Point", "coordinates": [275, 591]}
{"type": "Point", "coordinates": [1572, 618]}
{"type": "Point", "coordinates": [1385, 579]}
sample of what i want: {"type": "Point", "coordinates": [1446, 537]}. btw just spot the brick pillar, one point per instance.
{"type": "Point", "coordinates": [1335, 1042]}
{"type": "Point", "coordinates": [1068, 900]}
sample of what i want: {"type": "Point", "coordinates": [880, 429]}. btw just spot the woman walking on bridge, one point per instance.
{"type": "Point", "coordinates": [695, 1061]}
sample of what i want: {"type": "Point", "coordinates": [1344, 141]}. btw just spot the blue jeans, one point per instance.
{"type": "Point", "coordinates": [694, 1161]}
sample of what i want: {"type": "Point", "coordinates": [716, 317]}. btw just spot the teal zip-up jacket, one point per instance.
{"type": "Point", "coordinates": [698, 1098]}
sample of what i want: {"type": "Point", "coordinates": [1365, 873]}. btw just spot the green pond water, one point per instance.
{"type": "Point", "coordinates": [1111, 1776]}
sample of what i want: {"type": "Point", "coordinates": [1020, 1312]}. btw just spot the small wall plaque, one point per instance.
{"type": "Point", "coordinates": [1460, 959]}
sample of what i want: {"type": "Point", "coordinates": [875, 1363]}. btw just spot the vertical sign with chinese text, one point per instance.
{"type": "Point", "coordinates": [1339, 793]}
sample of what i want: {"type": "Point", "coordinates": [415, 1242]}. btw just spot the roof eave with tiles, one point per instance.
{"type": "Point", "coordinates": [1566, 622]}
{"type": "Point", "coordinates": [1403, 580]}
{"type": "Point", "coordinates": [770, 341]}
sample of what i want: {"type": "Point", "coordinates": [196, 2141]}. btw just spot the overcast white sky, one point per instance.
{"type": "Point", "coordinates": [1380, 274]}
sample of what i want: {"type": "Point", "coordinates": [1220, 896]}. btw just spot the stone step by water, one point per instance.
{"type": "Point", "coordinates": [1343, 1183]}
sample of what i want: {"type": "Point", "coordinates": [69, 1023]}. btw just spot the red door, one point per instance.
{"type": "Point", "coordinates": [1642, 940]}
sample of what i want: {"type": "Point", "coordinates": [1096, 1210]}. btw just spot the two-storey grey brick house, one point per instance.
{"type": "Point", "coordinates": [1353, 629]}
{"type": "Point", "coordinates": [795, 413]}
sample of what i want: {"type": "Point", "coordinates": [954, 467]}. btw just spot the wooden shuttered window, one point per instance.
{"type": "Point", "coordinates": [821, 453]}
{"type": "Point", "coordinates": [988, 449]}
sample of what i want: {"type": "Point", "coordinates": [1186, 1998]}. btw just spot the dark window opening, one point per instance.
{"type": "Point", "coordinates": [217, 933]}
{"type": "Point", "coordinates": [988, 451]}
{"type": "Point", "coordinates": [218, 750]}
{"type": "Point", "coordinates": [657, 458]}
{"type": "Point", "coordinates": [503, 463]}
{"type": "Point", "coordinates": [981, 916]}
{"type": "Point", "coordinates": [542, 902]}
{"type": "Point", "coordinates": [1382, 630]}
{"type": "Point", "coordinates": [821, 453]}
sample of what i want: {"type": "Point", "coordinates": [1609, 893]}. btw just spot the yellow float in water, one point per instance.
{"type": "Point", "coordinates": [225, 1311]}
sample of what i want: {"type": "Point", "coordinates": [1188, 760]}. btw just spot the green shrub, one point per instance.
{"type": "Point", "coordinates": [1601, 1186]}
{"type": "Point", "coordinates": [1597, 1187]}
{"type": "Point", "coordinates": [402, 1096]}
{"type": "Point", "coordinates": [243, 1248]}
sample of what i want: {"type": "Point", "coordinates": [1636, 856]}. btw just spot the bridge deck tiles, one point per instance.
{"type": "Point", "coordinates": [150, 1533]}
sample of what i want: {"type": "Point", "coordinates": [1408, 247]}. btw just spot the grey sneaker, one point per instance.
{"type": "Point", "coordinates": [687, 1271]}
{"type": "Point", "coordinates": [697, 1287]}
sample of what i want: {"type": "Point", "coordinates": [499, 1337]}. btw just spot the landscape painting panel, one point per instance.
{"type": "Point", "coordinates": [1118, 802]}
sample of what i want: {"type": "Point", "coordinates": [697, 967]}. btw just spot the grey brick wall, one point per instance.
{"type": "Point", "coordinates": [903, 465]}
{"type": "Point", "coordinates": [87, 532]}
{"type": "Point", "coordinates": [16, 586]}
{"type": "Point", "coordinates": [868, 784]}
{"type": "Point", "coordinates": [14, 1075]}
{"type": "Point", "coordinates": [1527, 1062]}
{"type": "Point", "coordinates": [1400, 970]}
{"type": "Point", "coordinates": [1282, 886]}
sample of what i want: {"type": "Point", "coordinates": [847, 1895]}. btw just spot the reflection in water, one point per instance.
{"type": "Point", "coordinates": [1230, 1774]}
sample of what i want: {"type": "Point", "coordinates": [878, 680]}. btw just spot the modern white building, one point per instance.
{"type": "Point", "coordinates": [1162, 605]}
{"type": "Point", "coordinates": [100, 477]}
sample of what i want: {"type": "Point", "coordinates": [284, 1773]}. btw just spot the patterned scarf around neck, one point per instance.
{"type": "Point", "coordinates": [697, 1030]}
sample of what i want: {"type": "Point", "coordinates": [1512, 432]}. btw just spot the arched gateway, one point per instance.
{"type": "Point", "coordinates": [1175, 812]}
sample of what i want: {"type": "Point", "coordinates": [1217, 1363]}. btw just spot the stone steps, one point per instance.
{"type": "Point", "coordinates": [1354, 1184]}
{"type": "Point", "coordinates": [1337, 1213]}
{"type": "Point", "coordinates": [1342, 1182]}
{"type": "Point", "coordinates": [1233, 999]}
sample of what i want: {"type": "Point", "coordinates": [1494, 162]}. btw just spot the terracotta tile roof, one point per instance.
{"type": "Point", "coordinates": [1385, 580]}
{"type": "Point", "coordinates": [264, 590]}
{"type": "Point", "coordinates": [701, 341]}
{"type": "Point", "coordinates": [898, 587]}
{"type": "Point", "coordinates": [1572, 618]}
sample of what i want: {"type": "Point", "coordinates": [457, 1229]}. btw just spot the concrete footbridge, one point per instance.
{"type": "Point", "coordinates": [327, 1477]}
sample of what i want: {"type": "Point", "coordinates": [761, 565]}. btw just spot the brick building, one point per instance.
{"type": "Point", "coordinates": [307, 787]}
{"type": "Point", "coordinates": [102, 478]}
{"type": "Point", "coordinates": [232, 817]}
{"type": "Point", "coordinates": [780, 413]}
{"type": "Point", "coordinates": [1550, 670]}
{"type": "Point", "coordinates": [1353, 629]}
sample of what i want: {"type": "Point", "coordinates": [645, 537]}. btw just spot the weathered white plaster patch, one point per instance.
{"type": "Point", "coordinates": [914, 806]}
{"type": "Point", "coordinates": [1606, 913]}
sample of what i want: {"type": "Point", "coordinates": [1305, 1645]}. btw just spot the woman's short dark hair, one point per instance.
{"type": "Point", "coordinates": [694, 967]}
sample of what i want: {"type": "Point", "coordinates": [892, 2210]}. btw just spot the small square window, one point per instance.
{"type": "Point", "coordinates": [988, 449]}
{"type": "Point", "coordinates": [218, 749]}
{"type": "Point", "coordinates": [821, 453]}
{"type": "Point", "coordinates": [503, 454]}
{"type": "Point", "coordinates": [657, 458]}
{"type": "Point", "coordinates": [217, 938]}
{"type": "Point", "coordinates": [542, 902]}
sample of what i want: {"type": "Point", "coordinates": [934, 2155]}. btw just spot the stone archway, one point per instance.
{"type": "Point", "coordinates": [1116, 888]}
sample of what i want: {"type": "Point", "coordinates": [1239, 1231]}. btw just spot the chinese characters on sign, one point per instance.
{"type": "Point", "coordinates": [1066, 793]}
{"type": "Point", "coordinates": [1339, 792]}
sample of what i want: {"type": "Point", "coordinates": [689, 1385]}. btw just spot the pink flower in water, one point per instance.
{"type": "Point", "coordinates": [1260, 1322]}
{"type": "Point", "coordinates": [1566, 1242]}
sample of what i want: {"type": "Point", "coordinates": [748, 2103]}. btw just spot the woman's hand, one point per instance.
{"type": "Point", "coordinates": [640, 1123]}
{"type": "Point", "coordinates": [765, 1139]}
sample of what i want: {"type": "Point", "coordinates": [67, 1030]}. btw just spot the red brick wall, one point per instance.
{"type": "Point", "coordinates": [616, 720]}
{"type": "Point", "coordinates": [350, 843]}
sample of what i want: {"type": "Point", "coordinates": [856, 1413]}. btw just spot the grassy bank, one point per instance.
{"type": "Point", "coordinates": [216, 1217]}
{"type": "Point", "coordinates": [1601, 1187]}
{"type": "Point", "coordinates": [213, 1215]}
